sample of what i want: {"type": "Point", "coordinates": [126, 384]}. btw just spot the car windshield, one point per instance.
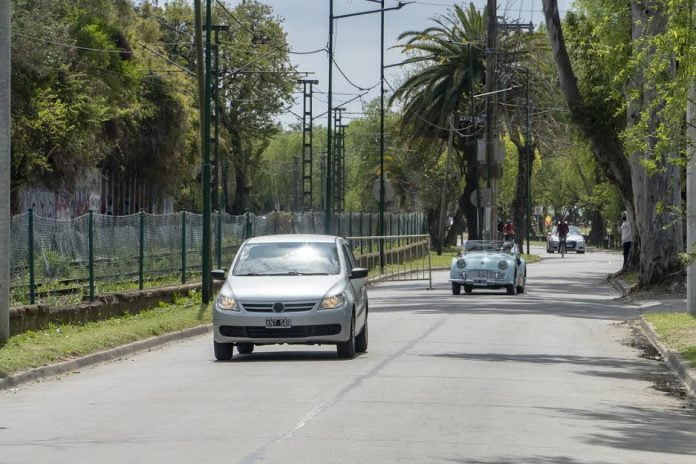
{"type": "Point", "coordinates": [488, 246]}
{"type": "Point", "coordinates": [572, 230]}
{"type": "Point", "coordinates": [292, 258]}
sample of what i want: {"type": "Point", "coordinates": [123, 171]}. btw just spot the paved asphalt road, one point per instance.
{"type": "Point", "coordinates": [544, 377]}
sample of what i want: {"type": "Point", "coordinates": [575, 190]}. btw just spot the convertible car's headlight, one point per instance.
{"type": "Point", "coordinates": [226, 303]}
{"type": "Point", "coordinates": [502, 265]}
{"type": "Point", "coordinates": [461, 263]}
{"type": "Point", "coordinates": [332, 302]}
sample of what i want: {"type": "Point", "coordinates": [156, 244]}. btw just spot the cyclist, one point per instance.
{"type": "Point", "coordinates": [562, 229]}
{"type": "Point", "coordinates": [508, 231]}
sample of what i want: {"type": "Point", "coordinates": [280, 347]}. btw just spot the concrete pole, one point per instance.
{"type": "Point", "coordinates": [4, 170]}
{"type": "Point", "coordinates": [691, 197]}
{"type": "Point", "coordinates": [491, 125]}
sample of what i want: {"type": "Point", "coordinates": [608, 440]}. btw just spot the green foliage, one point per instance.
{"type": "Point", "coordinates": [87, 93]}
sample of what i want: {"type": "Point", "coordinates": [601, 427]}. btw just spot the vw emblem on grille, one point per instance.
{"type": "Point", "coordinates": [278, 307]}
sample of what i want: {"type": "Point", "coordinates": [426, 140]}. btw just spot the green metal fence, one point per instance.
{"type": "Point", "coordinates": [66, 261]}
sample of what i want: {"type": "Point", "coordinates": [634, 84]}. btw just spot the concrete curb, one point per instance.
{"type": "Point", "coordinates": [64, 367]}
{"type": "Point", "coordinates": [673, 359]}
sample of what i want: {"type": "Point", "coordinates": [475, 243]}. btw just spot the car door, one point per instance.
{"type": "Point", "coordinates": [357, 284]}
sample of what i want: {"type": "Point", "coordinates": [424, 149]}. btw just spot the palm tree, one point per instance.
{"type": "Point", "coordinates": [449, 67]}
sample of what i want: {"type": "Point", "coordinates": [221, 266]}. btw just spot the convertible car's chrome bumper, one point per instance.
{"type": "Point", "coordinates": [482, 278]}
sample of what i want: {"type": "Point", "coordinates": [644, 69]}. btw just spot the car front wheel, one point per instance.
{"type": "Point", "coordinates": [468, 289]}
{"type": "Point", "coordinates": [223, 351]}
{"type": "Point", "coordinates": [361, 339]}
{"type": "Point", "coordinates": [456, 288]}
{"type": "Point", "coordinates": [510, 289]}
{"type": "Point", "coordinates": [346, 350]}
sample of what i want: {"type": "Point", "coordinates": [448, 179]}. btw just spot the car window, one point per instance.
{"type": "Point", "coordinates": [350, 260]}
{"type": "Point", "coordinates": [574, 230]}
{"type": "Point", "coordinates": [287, 259]}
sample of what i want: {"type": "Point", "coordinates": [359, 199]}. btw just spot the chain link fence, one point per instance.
{"type": "Point", "coordinates": [66, 261]}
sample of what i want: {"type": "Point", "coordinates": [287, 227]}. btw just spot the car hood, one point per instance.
{"type": "Point", "coordinates": [279, 288]}
{"type": "Point", "coordinates": [486, 259]}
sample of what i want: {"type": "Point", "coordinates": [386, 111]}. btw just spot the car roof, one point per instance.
{"type": "Point", "coordinates": [294, 238]}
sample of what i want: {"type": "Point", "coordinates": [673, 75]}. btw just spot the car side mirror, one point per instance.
{"type": "Point", "coordinates": [358, 273]}
{"type": "Point", "coordinates": [218, 274]}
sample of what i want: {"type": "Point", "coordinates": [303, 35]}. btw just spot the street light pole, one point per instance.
{"type": "Point", "coordinates": [5, 179]}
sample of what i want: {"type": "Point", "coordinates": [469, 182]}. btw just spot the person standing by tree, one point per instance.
{"type": "Point", "coordinates": [626, 238]}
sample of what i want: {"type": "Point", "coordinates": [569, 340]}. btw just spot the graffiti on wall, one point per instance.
{"type": "Point", "coordinates": [66, 204]}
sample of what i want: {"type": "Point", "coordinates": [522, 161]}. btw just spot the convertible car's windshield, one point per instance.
{"type": "Point", "coordinates": [293, 258]}
{"type": "Point", "coordinates": [488, 246]}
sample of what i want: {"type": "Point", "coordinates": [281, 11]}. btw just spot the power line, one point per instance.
{"type": "Point", "coordinates": [364, 89]}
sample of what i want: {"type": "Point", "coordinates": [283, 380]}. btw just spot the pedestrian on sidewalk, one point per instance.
{"type": "Point", "coordinates": [626, 238]}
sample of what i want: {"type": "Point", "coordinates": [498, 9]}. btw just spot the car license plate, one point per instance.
{"type": "Point", "coordinates": [480, 281]}
{"type": "Point", "coordinates": [278, 323]}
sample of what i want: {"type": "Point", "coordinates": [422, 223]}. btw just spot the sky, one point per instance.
{"type": "Point", "coordinates": [356, 42]}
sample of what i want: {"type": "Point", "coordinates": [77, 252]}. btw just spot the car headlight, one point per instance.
{"type": "Point", "coordinates": [333, 302]}
{"type": "Point", "coordinates": [502, 265]}
{"type": "Point", "coordinates": [461, 263]}
{"type": "Point", "coordinates": [227, 304]}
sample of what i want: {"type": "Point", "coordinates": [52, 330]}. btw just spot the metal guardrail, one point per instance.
{"type": "Point", "coordinates": [396, 257]}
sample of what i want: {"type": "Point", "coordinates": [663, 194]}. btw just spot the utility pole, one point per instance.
{"type": "Point", "coordinates": [381, 138]}
{"type": "Point", "coordinates": [338, 158]}
{"type": "Point", "coordinates": [5, 179]}
{"type": "Point", "coordinates": [322, 176]}
{"type": "Point", "coordinates": [491, 123]}
{"type": "Point", "coordinates": [296, 181]}
{"type": "Point", "coordinates": [343, 166]}
{"type": "Point", "coordinates": [206, 288]}
{"type": "Point", "coordinates": [473, 140]}
{"type": "Point", "coordinates": [217, 197]}
{"type": "Point", "coordinates": [307, 161]}
{"type": "Point", "coordinates": [528, 154]}
{"type": "Point", "coordinates": [691, 196]}
{"type": "Point", "coordinates": [327, 192]}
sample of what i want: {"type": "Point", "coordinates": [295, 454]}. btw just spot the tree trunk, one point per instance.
{"type": "Point", "coordinates": [657, 193]}
{"type": "Point", "coordinates": [606, 145]}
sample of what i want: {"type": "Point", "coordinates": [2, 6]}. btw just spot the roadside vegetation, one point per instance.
{"type": "Point", "coordinates": [62, 342]}
{"type": "Point", "coordinates": [676, 331]}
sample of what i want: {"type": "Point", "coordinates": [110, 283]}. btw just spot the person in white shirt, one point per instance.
{"type": "Point", "coordinates": [626, 238]}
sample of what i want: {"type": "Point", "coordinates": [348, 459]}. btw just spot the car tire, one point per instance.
{"type": "Point", "coordinates": [456, 288]}
{"type": "Point", "coordinates": [346, 350]}
{"type": "Point", "coordinates": [245, 348]}
{"type": "Point", "coordinates": [468, 289]}
{"type": "Point", "coordinates": [362, 339]}
{"type": "Point", "coordinates": [223, 351]}
{"type": "Point", "coordinates": [549, 251]}
{"type": "Point", "coordinates": [520, 288]}
{"type": "Point", "coordinates": [510, 289]}
{"type": "Point", "coordinates": [581, 252]}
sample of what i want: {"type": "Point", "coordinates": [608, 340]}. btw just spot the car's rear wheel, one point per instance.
{"type": "Point", "coordinates": [510, 289]}
{"type": "Point", "coordinates": [361, 339]}
{"type": "Point", "coordinates": [223, 351]}
{"type": "Point", "coordinates": [456, 288]}
{"type": "Point", "coordinates": [346, 350]}
{"type": "Point", "coordinates": [245, 348]}
{"type": "Point", "coordinates": [468, 289]}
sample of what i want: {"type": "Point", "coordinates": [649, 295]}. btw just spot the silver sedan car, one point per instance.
{"type": "Point", "coordinates": [574, 241]}
{"type": "Point", "coordinates": [294, 289]}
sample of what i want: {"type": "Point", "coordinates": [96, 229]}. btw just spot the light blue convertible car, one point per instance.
{"type": "Point", "coordinates": [490, 265]}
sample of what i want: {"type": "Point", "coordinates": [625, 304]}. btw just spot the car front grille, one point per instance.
{"type": "Point", "coordinates": [268, 307]}
{"type": "Point", "coordinates": [291, 332]}
{"type": "Point", "coordinates": [483, 274]}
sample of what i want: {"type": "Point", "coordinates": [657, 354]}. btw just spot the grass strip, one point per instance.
{"type": "Point", "coordinates": [676, 331]}
{"type": "Point", "coordinates": [62, 342]}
